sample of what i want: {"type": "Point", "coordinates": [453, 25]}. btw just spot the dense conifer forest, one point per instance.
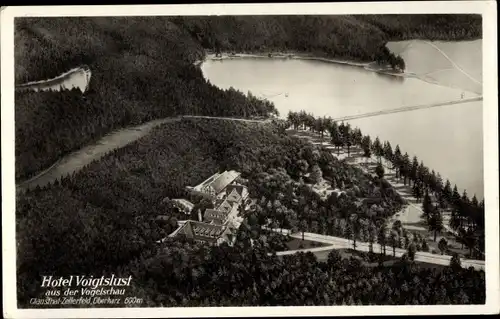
{"type": "Point", "coordinates": [142, 67]}
{"type": "Point", "coordinates": [103, 219]}
{"type": "Point", "coordinates": [111, 206]}
{"type": "Point", "coordinates": [428, 187]}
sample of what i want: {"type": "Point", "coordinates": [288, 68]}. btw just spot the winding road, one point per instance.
{"type": "Point", "coordinates": [75, 161]}
{"type": "Point", "coordinates": [343, 243]}
{"type": "Point", "coordinates": [338, 243]}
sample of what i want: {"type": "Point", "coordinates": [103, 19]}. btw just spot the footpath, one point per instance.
{"type": "Point", "coordinates": [75, 161]}
{"type": "Point", "coordinates": [410, 215]}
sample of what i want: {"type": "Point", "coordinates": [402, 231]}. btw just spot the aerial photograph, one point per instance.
{"type": "Point", "coordinates": [249, 160]}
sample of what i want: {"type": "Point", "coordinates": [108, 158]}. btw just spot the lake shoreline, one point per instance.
{"type": "Point", "coordinates": [369, 66]}
{"type": "Point", "coordinates": [416, 92]}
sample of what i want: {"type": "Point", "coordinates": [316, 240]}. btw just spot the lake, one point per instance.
{"type": "Point", "coordinates": [447, 139]}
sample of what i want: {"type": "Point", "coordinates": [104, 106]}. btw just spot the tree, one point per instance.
{"type": "Point", "coordinates": [335, 135]}
{"type": "Point", "coordinates": [354, 221]}
{"type": "Point", "coordinates": [417, 190]}
{"type": "Point", "coordinates": [366, 142]}
{"type": "Point", "coordinates": [388, 153]}
{"type": "Point", "coordinates": [321, 125]}
{"type": "Point", "coordinates": [397, 226]}
{"type": "Point", "coordinates": [377, 148]}
{"type": "Point", "coordinates": [441, 201]}
{"type": "Point", "coordinates": [372, 235]}
{"type": "Point", "coordinates": [464, 207]}
{"type": "Point", "coordinates": [447, 192]}
{"type": "Point", "coordinates": [294, 119]}
{"type": "Point", "coordinates": [455, 197]}
{"type": "Point", "coordinates": [405, 167]}
{"type": "Point", "coordinates": [411, 251]}
{"type": "Point", "coordinates": [407, 240]}
{"type": "Point", "coordinates": [455, 262]}
{"type": "Point", "coordinates": [316, 174]}
{"type": "Point", "coordinates": [381, 238]}
{"type": "Point", "coordinates": [414, 169]}
{"type": "Point", "coordinates": [379, 170]}
{"type": "Point", "coordinates": [348, 231]}
{"type": "Point", "coordinates": [436, 222]}
{"type": "Point", "coordinates": [394, 241]}
{"type": "Point", "coordinates": [333, 129]}
{"type": "Point", "coordinates": [474, 202]}
{"type": "Point", "coordinates": [303, 227]}
{"type": "Point", "coordinates": [470, 240]}
{"type": "Point", "coordinates": [367, 153]}
{"type": "Point", "coordinates": [454, 219]}
{"type": "Point", "coordinates": [396, 160]}
{"type": "Point", "coordinates": [334, 258]}
{"type": "Point", "coordinates": [427, 207]}
{"type": "Point", "coordinates": [438, 186]}
{"type": "Point", "coordinates": [348, 143]}
{"type": "Point", "coordinates": [303, 166]}
{"type": "Point", "coordinates": [425, 247]}
{"type": "Point", "coordinates": [443, 245]}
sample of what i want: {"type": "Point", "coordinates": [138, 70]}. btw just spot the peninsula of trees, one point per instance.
{"type": "Point", "coordinates": [467, 214]}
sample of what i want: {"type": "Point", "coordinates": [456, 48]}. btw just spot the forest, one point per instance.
{"type": "Point", "coordinates": [60, 129]}
{"type": "Point", "coordinates": [136, 77]}
{"type": "Point", "coordinates": [113, 206]}
{"type": "Point", "coordinates": [436, 195]}
{"type": "Point", "coordinates": [178, 278]}
{"type": "Point", "coordinates": [353, 37]}
{"type": "Point", "coordinates": [142, 67]}
{"type": "Point", "coordinates": [444, 27]}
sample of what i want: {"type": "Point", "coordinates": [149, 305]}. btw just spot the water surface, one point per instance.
{"type": "Point", "coordinates": [447, 139]}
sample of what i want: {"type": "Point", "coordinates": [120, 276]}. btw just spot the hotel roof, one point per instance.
{"type": "Point", "coordinates": [201, 229]}
{"type": "Point", "coordinates": [224, 180]}
{"type": "Point", "coordinates": [238, 188]}
{"type": "Point", "coordinates": [215, 214]}
{"type": "Point", "coordinates": [225, 206]}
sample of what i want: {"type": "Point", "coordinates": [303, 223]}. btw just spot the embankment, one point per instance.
{"type": "Point", "coordinates": [281, 56]}
{"type": "Point", "coordinates": [78, 78]}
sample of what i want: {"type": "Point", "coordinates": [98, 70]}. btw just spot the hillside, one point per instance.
{"type": "Point", "coordinates": [353, 37]}
{"type": "Point", "coordinates": [444, 27]}
{"type": "Point", "coordinates": [139, 73]}
{"type": "Point", "coordinates": [109, 209]}
{"type": "Point", "coordinates": [142, 68]}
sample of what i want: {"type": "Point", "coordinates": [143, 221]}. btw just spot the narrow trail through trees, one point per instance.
{"type": "Point", "coordinates": [75, 161]}
{"type": "Point", "coordinates": [80, 77]}
{"type": "Point", "coordinates": [120, 138]}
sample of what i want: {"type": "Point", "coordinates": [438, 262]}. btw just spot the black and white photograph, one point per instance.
{"type": "Point", "coordinates": [225, 158]}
